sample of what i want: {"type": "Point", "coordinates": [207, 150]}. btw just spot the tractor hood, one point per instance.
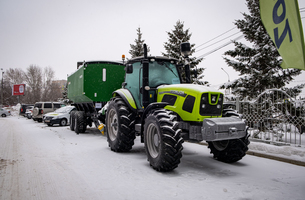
{"type": "Point", "coordinates": [191, 102]}
{"type": "Point", "coordinates": [184, 89]}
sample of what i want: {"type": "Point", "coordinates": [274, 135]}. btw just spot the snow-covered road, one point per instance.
{"type": "Point", "coordinates": [41, 162]}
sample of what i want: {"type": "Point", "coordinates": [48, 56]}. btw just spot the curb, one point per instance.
{"type": "Point", "coordinates": [286, 160]}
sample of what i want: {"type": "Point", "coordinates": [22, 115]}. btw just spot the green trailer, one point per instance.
{"type": "Point", "coordinates": [90, 88]}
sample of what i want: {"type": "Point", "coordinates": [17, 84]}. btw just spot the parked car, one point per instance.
{"type": "Point", "coordinates": [23, 108]}
{"type": "Point", "coordinates": [41, 108]}
{"type": "Point", "coordinates": [29, 112]}
{"type": "Point", "coordinates": [60, 116]}
{"type": "Point", "coordinates": [4, 112]}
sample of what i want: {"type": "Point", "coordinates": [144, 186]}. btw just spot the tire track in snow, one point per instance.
{"type": "Point", "coordinates": [30, 165]}
{"type": "Point", "coordinates": [9, 162]}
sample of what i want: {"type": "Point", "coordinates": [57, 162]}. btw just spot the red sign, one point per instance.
{"type": "Point", "coordinates": [18, 89]}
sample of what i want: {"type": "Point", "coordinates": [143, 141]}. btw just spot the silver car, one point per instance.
{"type": "Point", "coordinates": [4, 113]}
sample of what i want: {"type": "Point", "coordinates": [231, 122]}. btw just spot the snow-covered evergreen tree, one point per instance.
{"type": "Point", "coordinates": [259, 65]}
{"type": "Point", "coordinates": [172, 48]}
{"type": "Point", "coordinates": [137, 48]}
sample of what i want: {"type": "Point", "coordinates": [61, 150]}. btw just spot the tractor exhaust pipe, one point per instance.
{"type": "Point", "coordinates": [185, 49]}
{"type": "Point", "coordinates": [145, 81]}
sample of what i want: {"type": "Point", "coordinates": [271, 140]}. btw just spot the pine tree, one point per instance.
{"type": "Point", "coordinates": [137, 48]}
{"type": "Point", "coordinates": [259, 65]}
{"type": "Point", "coordinates": [172, 48]}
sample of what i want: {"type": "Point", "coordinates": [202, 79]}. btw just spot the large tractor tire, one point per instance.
{"type": "Point", "coordinates": [72, 120]}
{"type": "Point", "coordinates": [162, 139]}
{"type": "Point", "coordinates": [80, 125]}
{"type": "Point", "coordinates": [120, 122]}
{"type": "Point", "coordinates": [229, 151]}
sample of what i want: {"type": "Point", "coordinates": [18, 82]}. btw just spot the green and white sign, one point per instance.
{"type": "Point", "coordinates": [282, 21]}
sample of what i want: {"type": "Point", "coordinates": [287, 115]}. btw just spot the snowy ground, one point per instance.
{"type": "Point", "coordinates": [41, 162]}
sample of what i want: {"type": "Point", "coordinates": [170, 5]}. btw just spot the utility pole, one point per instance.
{"type": "Point", "coordinates": [2, 72]}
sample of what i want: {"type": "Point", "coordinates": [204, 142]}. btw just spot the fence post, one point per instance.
{"type": "Point", "coordinates": [237, 104]}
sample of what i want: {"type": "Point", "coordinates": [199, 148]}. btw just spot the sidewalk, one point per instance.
{"type": "Point", "coordinates": [288, 154]}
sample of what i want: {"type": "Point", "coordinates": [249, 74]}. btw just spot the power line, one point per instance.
{"type": "Point", "coordinates": [218, 41]}
{"type": "Point", "coordinates": [299, 81]}
{"type": "Point", "coordinates": [215, 38]}
{"type": "Point", "coordinates": [220, 47]}
{"type": "Point", "coordinates": [226, 44]}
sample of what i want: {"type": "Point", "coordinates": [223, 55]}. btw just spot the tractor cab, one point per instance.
{"type": "Point", "coordinates": [162, 71]}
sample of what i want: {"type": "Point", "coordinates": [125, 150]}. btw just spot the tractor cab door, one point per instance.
{"type": "Point", "coordinates": [133, 82]}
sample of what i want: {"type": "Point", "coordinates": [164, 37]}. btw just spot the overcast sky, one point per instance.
{"type": "Point", "coordinates": [59, 33]}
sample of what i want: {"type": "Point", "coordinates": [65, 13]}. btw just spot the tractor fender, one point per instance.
{"type": "Point", "coordinates": [127, 97]}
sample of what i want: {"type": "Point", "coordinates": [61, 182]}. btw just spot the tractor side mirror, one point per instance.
{"type": "Point", "coordinates": [129, 69]}
{"type": "Point", "coordinates": [185, 49]}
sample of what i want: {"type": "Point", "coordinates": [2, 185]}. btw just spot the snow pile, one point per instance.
{"type": "Point", "coordinates": [14, 109]}
{"type": "Point", "coordinates": [288, 152]}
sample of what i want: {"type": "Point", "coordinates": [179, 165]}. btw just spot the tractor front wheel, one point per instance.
{"type": "Point", "coordinates": [162, 139]}
{"type": "Point", "coordinates": [120, 126]}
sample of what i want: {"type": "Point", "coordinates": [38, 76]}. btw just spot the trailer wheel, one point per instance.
{"type": "Point", "coordinates": [120, 126]}
{"type": "Point", "coordinates": [80, 122]}
{"type": "Point", "coordinates": [162, 139]}
{"type": "Point", "coordinates": [72, 120]}
{"type": "Point", "coordinates": [229, 151]}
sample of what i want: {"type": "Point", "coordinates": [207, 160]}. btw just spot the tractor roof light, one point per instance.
{"type": "Point", "coordinates": [123, 58]}
{"type": "Point", "coordinates": [185, 49]}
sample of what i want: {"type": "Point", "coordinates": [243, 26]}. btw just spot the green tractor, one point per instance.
{"type": "Point", "coordinates": [155, 105]}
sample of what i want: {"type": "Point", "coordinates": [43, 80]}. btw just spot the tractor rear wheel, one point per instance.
{"type": "Point", "coordinates": [229, 151]}
{"type": "Point", "coordinates": [120, 123]}
{"type": "Point", "coordinates": [162, 139]}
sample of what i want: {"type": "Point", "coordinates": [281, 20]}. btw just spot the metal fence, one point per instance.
{"type": "Point", "coordinates": [275, 118]}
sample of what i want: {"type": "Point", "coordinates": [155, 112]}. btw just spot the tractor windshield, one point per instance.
{"type": "Point", "coordinates": [161, 72]}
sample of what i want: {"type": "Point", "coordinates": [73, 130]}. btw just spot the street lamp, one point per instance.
{"type": "Point", "coordinates": [227, 74]}
{"type": "Point", "coordinates": [228, 79]}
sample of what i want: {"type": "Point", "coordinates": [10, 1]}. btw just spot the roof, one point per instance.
{"type": "Point", "coordinates": [138, 59]}
{"type": "Point", "coordinates": [100, 61]}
